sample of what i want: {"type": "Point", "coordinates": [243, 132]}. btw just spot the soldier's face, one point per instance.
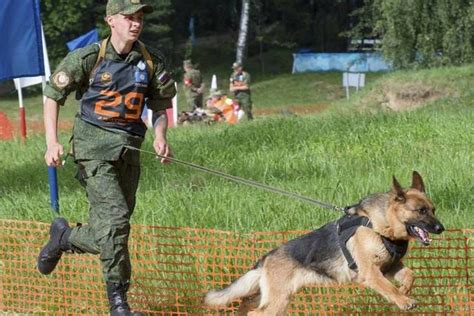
{"type": "Point", "coordinates": [126, 27]}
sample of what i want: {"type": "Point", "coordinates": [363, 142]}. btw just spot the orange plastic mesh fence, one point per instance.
{"type": "Point", "coordinates": [174, 267]}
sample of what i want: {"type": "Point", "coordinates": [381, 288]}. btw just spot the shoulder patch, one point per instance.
{"type": "Point", "coordinates": [164, 77]}
{"type": "Point", "coordinates": [61, 79]}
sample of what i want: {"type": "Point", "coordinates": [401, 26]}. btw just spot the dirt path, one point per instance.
{"type": "Point", "coordinates": [293, 109]}
{"type": "Point", "coordinates": [10, 127]}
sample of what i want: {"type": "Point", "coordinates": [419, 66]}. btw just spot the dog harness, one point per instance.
{"type": "Point", "coordinates": [346, 228]}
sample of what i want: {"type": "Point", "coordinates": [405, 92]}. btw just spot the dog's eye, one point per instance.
{"type": "Point", "coordinates": [423, 210]}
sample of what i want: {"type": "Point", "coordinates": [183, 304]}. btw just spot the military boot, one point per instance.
{"type": "Point", "coordinates": [58, 243]}
{"type": "Point", "coordinates": [117, 293]}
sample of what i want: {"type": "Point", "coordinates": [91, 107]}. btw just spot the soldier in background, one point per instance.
{"type": "Point", "coordinates": [193, 85]}
{"type": "Point", "coordinates": [223, 107]}
{"type": "Point", "coordinates": [239, 84]}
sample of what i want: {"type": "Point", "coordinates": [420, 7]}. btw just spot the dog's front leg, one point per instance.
{"type": "Point", "coordinates": [373, 278]}
{"type": "Point", "coordinates": [405, 277]}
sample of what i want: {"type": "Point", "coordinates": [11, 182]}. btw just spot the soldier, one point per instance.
{"type": "Point", "coordinates": [193, 85]}
{"type": "Point", "coordinates": [239, 84]}
{"type": "Point", "coordinates": [113, 79]}
{"type": "Point", "coordinates": [223, 108]}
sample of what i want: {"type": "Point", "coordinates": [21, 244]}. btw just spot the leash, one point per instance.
{"type": "Point", "coordinates": [244, 181]}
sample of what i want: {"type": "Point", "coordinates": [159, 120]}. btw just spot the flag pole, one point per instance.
{"type": "Point", "coordinates": [175, 106]}
{"type": "Point", "coordinates": [21, 112]}
{"type": "Point", "coordinates": [53, 189]}
{"type": "Point", "coordinates": [52, 172]}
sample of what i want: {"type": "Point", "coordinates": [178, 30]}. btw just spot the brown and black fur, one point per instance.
{"type": "Point", "coordinates": [399, 215]}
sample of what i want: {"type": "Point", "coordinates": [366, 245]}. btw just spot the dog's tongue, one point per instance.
{"type": "Point", "coordinates": [424, 236]}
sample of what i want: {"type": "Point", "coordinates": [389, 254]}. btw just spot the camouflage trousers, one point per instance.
{"type": "Point", "coordinates": [110, 188]}
{"type": "Point", "coordinates": [194, 101]}
{"type": "Point", "coordinates": [245, 102]}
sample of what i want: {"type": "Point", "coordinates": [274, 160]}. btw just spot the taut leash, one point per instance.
{"type": "Point", "coordinates": [244, 181]}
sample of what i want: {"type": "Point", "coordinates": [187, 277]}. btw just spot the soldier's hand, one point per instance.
{"type": "Point", "coordinates": [53, 154]}
{"type": "Point", "coordinates": [162, 149]}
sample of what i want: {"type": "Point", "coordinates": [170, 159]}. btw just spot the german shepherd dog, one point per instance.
{"type": "Point", "coordinates": [364, 246]}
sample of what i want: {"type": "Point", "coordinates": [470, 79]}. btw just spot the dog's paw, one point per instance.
{"type": "Point", "coordinates": [407, 304]}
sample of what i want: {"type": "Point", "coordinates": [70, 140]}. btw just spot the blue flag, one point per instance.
{"type": "Point", "coordinates": [21, 54]}
{"type": "Point", "coordinates": [83, 40]}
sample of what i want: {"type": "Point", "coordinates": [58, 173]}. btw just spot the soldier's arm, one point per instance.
{"type": "Point", "coordinates": [231, 84]}
{"type": "Point", "coordinates": [201, 87]}
{"type": "Point", "coordinates": [68, 76]}
{"type": "Point", "coordinates": [244, 84]}
{"type": "Point", "coordinates": [160, 144]}
{"type": "Point", "coordinates": [162, 90]}
{"type": "Point", "coordinates": [187, 81]}
{"type": "Point", "coordinates": [71, 74]}
{"type": "Point", "coordinates": [54, 150]}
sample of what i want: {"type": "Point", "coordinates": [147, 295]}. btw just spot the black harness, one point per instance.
{"type": "Point", "coordinates": [346, 228]}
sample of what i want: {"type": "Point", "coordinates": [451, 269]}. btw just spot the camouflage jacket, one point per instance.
{"type": "Point", "coordinates": [73, 72]}
{"type": "Point", "coordinates": [240, 79]}
{"type": "Point", "coordinates": [90, 141]}
{"type": "Point", "coordinates": [192, 82]}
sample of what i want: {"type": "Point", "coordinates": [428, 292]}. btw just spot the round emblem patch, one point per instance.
{"type": "Point", "coordinates": [61, 79]}
{"type": "Point", "coordinates": [106, 76]}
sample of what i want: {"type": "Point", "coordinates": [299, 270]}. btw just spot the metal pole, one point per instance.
{"type": "Point", "coordinates": [53, 189]}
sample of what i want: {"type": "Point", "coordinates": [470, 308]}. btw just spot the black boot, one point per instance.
{"type": "Point", "coordinates": [58, 243]}
{"type": "Point", "coordinates": [117, 293]}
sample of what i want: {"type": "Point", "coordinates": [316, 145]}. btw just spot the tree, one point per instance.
{"type": "Point", "coordinates": [420, 33]}
{"type": "Point", "coordinates": [157, 31]}
{"type": "Point", "coordinates": [243, 30]}
{"type": "Point", "coordinates": [64, 21]}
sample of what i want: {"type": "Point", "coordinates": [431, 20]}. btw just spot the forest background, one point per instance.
{"type": "Point", "coordinates": [415, 33]}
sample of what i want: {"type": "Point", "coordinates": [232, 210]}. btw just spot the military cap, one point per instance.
{"type": "Point", "coordinates": [188, 63]}
{"type": "Point", "coordinates": [236, 65]}
{"type": "Point", "coordinates": [127, 7]}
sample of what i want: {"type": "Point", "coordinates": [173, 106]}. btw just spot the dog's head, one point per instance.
{"type": "Point", "coordinates": [411, 213]}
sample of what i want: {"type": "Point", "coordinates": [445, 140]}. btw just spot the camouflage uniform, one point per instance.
{"type": "Point", "coordinates": [192, 82]}
{"type": "Point", "coordinates": [243, 96]}
{"type": "Point", "coordinates": [108, 170]}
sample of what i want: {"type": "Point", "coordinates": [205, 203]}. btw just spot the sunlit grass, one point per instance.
{"type": "Point", "coordinates": [338, 156]}
{"type": "Point", "coordinates": [334, 158]}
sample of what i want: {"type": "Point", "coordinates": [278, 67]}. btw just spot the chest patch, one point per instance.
{"type": "Point", "coordinates": [106, 77]}
{"type": "Point", "coordinates": [141, 75]}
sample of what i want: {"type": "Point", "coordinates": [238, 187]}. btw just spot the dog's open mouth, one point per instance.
{"type": "Point", "coordinates": [420, 234]}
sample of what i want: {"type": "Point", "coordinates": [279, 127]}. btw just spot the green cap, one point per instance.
{"type": "Point", "coordinates": [236, 65]}
{"type": "Point", "coordinates": [188, 63]}
{"type": "Point", "coordinates": [127, 7]}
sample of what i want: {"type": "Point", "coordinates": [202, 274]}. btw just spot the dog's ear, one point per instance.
{"type": "Point", "coordinates": [417, 182]}
{"type": "Point", "coordinates": [398, 190]}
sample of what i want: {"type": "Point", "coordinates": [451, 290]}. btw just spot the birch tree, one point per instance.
{"type": "Point", "coordinates": [243, 31]}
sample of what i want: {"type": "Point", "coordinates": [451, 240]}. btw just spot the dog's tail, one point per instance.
{"type": "Point", "coordinates": [244, 286]}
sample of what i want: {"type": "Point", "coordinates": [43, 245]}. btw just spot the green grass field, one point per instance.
{"type": "Point", "coordinates": [339, 155]}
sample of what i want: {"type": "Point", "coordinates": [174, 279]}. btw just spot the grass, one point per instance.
{"type": "Point", "coordinates": [337, 156]}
